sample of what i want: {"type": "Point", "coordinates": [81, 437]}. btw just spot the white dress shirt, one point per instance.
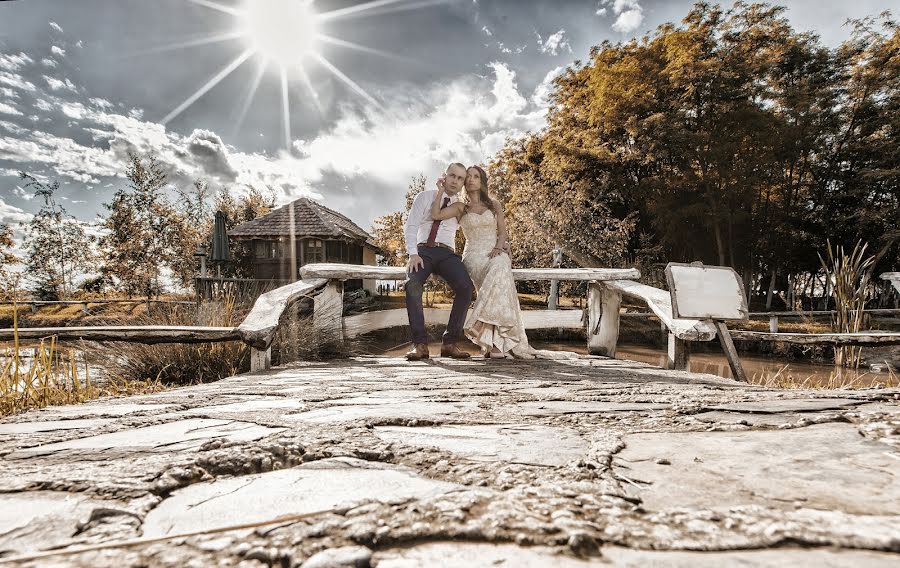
{"type": "Point", "coordinates": [418, 224]}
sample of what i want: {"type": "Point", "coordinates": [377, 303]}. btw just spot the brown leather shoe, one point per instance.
{"type": "Point", "coordinates": [418, 353]}
{"type": "Point", "coordinates": [454, 352]}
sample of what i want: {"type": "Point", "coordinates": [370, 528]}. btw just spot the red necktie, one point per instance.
{"type": "Point", "coordinates": [435, 224]}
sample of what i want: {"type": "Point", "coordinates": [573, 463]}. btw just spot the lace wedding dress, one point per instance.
{"type": "Point", "coordinates": [496, 319]}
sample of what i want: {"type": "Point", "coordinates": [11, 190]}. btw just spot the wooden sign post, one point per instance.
{"type": "Point", "coordinates": [710, 292]}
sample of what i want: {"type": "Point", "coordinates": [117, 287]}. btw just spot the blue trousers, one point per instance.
{"type": "Point", "coordinates": [447, 265]}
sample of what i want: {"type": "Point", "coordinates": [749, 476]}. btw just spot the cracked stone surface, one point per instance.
{"type": "Point", "coordinates": [584, 462]}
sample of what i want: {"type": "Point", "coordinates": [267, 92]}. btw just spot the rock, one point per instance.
{"type": "Point", "coordinates": [343, 557]}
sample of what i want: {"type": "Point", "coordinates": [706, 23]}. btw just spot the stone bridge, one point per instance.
{"type": "Point", "coordinates": [380, 462]}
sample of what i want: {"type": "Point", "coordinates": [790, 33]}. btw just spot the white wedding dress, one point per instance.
{"type": "Point", "coordinates": [496, 318]}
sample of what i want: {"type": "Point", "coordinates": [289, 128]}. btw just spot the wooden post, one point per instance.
{"type": "Point", "coordinates": [773, 324]}
{"type": "Point", "coordinates": [677, 353]}
{"type": "Point", "coordinates": [33, 308]}
{"type": "Point", "coordinates": [603, 320]}
{"type": "Point", "coordinates": [260, 360]}
{"type": "Point", "coordinates": [84, 308]}
{"type": "Point", "coordinates": [328, 311]}
{"type": "Point", "coordinates": [730, 352]}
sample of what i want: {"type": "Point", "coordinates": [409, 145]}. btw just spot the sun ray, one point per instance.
{"type": "Point", "coordinates": [215, 80]}
{"type": "Point", "coordinates": [285, 109]}
{"type": "Point", "coordinates": [355, 46]}
{"type": "Point", "coordinates": [304, 76]}
{"type": "Point", "coordinates": [354, 10]}
{"type": "Point", "coordinates": [216, 6]}
{"type": "Point", "coordinates": [347, 80]}
{"type": "Point", "coordinates": [206, 40]}
{"type": "Point", "coordinates": [250, 94]}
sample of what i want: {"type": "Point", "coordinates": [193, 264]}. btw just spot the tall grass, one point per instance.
{"type": "Point", "coordinates": [180, 363]}
{"type": "Point", "coordinates": [850, 275]}
{"type": "Point", "coordinates": [52, 376]}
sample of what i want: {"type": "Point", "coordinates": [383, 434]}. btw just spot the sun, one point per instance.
{"type": "Point", "coordinates": [282, 31]}
{"type": "Point", "coordinates": [285, 35]}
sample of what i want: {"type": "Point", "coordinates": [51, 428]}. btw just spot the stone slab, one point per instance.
{"type": "Point", "coordinates": [778, 558]}
{"type": "Point", "coordinates": [254, 405]}
{"type": "Point", "coordinates": [557, 407]}
{"type": "Point", "coordinates": [173, 436]}
{"type": "Point", "coordinates": [392, 410]}
{"type": "Point", "coordinates": [789, 405]}
{"type": "Point", "coordinates": [52, 425]}
{"type": "Point", "coordinates": [103, 409]}
{"type": "Point", "coordinates": [318, 486]}
{"type": "Point", "coordinates": [523, 444]}
{"type": "Point", "coordinates": [486, 555]}
{"type": "Point", "coordinates": [478, 555]}
{"type": "Point", "coordinates": [824, 466]}
{"type": "Point", "coordinates": [38, 520]}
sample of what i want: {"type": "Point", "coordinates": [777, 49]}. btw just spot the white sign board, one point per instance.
{"type": "Point", "coordinates": [706, 292]}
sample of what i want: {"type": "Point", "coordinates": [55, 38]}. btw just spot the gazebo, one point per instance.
{"type": "Point", "coordinates": [302, 232]}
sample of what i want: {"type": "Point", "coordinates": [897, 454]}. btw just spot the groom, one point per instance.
{"type": "Point", "coordinates": [432, 250]}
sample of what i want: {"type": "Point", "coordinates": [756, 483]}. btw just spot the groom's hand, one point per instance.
{"type": "Point", "coordinates": [415, 263]}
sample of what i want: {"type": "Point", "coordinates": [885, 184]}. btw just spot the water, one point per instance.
{"type": "Point", "coordinates": [774, 371]}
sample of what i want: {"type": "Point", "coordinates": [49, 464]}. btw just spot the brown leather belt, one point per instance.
{"type": "Point", "coordinates": [442, 245]}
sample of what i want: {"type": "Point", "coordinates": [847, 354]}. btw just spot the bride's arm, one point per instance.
{"type": "Point", "coordinates": [502, 235]}
{"type": "Point", "coordinates": [452, 210]}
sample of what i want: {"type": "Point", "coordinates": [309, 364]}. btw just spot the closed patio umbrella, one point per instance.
{"type": "Point", "coordinates": [220, 252]}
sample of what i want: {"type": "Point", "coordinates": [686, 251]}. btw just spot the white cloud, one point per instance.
{"type": "Point", "coordinates": [56, 27]}
{"type": "Point", "coordinates": [43, 105]}
{"type": "Point", "coordinates": [555, 43]}
{"type": "Point", "coordinates": [487, 31]}
{"type": "Point", "coordinates": [8, 93]}
{"type": "Point", "coordinates": [47, 62]}
{"type": "Point", "coordinates": [58, 51]}
{"type": "Point", "coordinates": [12, 215]}
{"type": "Point", "coordinates": [59, 84]}
{"type": "Point", "coordinates": [541, 97]}
{"type": "Point", "coordinates": [12, 62]}
{"type": "Point", "coordinates": [12, 127]}
{"type": "Point", "coordinates": [422, 129]}
{"type": "Point", "coordinates": [9, 109]}
{"type": "Point", "coordinates": [629, 14]}
{"type": "Point", "coordinates": [17, 81]}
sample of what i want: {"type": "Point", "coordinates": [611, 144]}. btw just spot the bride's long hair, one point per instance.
{"type": "Point", "coordinates": [483, 191]}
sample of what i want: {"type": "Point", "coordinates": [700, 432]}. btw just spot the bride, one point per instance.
{"type": "Point", "coordinates": [495, 323]}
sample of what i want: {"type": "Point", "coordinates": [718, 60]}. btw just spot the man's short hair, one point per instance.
{"type": "Point", "coordinates": [463, 166]}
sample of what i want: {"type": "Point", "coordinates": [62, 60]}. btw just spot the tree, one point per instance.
{"type": "Point", "coordinates": [191, 226]}
{"type": "Point", "coordinates": [8, 279]}
{"type": "Point", "coordinates": [388, 231]}
{"type": "Point", "coordinates": [142, 230]}
{"type": "Point", "coordinates": [240, 209]}
{"type": "Point", "coordinates": [57, 247]}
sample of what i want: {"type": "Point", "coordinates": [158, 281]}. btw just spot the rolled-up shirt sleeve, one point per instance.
{"type": "Point", "coordinates": [413, 220]}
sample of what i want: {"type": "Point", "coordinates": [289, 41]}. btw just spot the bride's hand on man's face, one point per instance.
{"type": "Point", "coordinates": [440, 182]}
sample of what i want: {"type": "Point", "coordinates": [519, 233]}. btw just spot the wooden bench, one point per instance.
{"type": "Point", "coordinates": [605, 290]}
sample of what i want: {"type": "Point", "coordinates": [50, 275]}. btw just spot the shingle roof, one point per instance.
{"type": "Point", "coordinates": [311, 219]}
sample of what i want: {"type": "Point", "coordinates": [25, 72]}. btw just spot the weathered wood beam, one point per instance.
{"type": "Point", "coordinates": [603, 320]}
{"type": "Point", "coordinates": [328, 312]}
{"type": "Point", "coordinates": [365, 272]}
{"type": "Point", "coordinates": [731, 354]}
{"type": "Point", "coordinates": [660, 303]}
{"type": "Point", "coordinates": [150, 334]}
{"type": "Point", "coordinates": [259, 327]}
{"type": "Point", "coordinates": [677, 353]}
{"type": "Point", "coordinates": [867, 338]}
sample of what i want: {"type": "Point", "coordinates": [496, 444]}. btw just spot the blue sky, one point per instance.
{"type": "Point", "coordinates": [390, 89]}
